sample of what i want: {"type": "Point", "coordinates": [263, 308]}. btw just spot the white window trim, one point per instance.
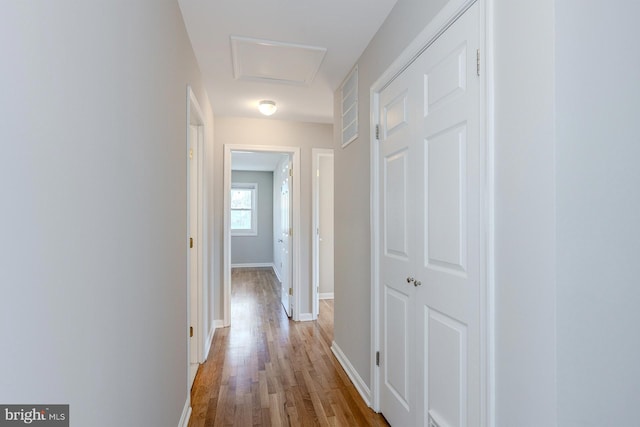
{"type": "Point", "coordinates": [253, 186]}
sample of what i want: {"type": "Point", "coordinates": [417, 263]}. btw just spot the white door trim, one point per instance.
{"type": "Point", "coordinates": [316, 154]}
{"type": "Point", "coordinates": [195, 117]}
{"type": "Point", "coordinates": [449, 14]}
{"type": "Point", "coordinates": [226, 245]}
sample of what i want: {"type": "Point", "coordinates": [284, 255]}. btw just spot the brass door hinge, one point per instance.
{"type": "Point", "coordinates": [191, 242]}
{"type": "Point", "coordinates": [190, 331]}
{"type": "Point", "coordinates": [290, 291]}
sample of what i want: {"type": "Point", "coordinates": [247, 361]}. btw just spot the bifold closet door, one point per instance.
{"type": "Point", "coordinates": [430, 178]}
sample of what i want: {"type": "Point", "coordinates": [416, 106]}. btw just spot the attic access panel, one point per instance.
{"type": "Point", "coordinates": [275, 62]}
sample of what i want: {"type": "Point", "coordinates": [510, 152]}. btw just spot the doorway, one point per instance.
{"type": "Point", "coordinates": [197, 294]}
{"type": "Point", "coordinates": [286, 247]}
{"type": "Point", "coordinates": [323, 242]}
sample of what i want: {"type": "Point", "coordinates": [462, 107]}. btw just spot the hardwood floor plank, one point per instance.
{"type": "Point", "coordinates": [266, 370]}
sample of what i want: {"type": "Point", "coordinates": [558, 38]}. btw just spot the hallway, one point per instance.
{"type": "Point", "coordinates": [267, 370]}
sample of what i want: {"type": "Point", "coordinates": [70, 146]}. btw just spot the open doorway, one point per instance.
{"type": "Point", "coordinates": [196, 244]}
{"type": "Point", "coordinates": [323, 242]}
{"type": "Point", "coordinates": [261, 216]}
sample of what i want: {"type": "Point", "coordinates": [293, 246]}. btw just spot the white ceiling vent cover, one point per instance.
{"type": "Point", "coordinates": [276, 62]}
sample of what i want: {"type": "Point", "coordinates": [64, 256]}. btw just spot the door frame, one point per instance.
{"type": "Point", "coordinates": [294, 152]}
{"type": "Point", "coordinates": [440, 23]}
{"type": "Point", "coordinates": [195, 117]}
{"type": "Point", "coordinates": [316, 154]}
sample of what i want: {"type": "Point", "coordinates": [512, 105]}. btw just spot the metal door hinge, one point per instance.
{"type": "Point", "coordinates": [378, 132]}
{"type": "Point", "coordinates": [291, 232]}
{"type": "Point", "coordinates": [291, 172]}
{"type": "Point", "coordinates": [377, 358]}
{"type": "Point", "coordinates": [478, 62]}
{"type": "Point", "coordinates": [190, 242]}
{"type": "Point", "coordinates": [190, 331]}
{"type": "Point", "coordinates": [290, 291]}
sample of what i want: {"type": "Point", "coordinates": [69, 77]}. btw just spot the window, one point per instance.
{"type": "Point", "coordinates": [244, 209]}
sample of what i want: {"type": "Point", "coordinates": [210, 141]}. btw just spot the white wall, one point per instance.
{"type": "Point", "coordinates": [352, 306]}
{"type": "Point", "coordinates": [598, 147]}
{"type": "Point", "coordinates": [93, 216]}
{"type": "Point", "coordinates": [256, 249]}
{"type": "Point", "coordinates": [525, 213]}
{"type": "Point", "coordinates": [272, 132]}
{"type": "Point", "coordinates": [326, 225]}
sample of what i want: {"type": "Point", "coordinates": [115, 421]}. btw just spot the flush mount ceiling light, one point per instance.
{"type": "Point", "coordinates": [267, 107]}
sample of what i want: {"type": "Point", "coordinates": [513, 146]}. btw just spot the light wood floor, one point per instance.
{"type": "Point", "coordinates": [266, 370]}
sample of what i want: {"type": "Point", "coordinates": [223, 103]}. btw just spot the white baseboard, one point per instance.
{"type": "Point", "coordinates": [186, 413]}
{"type": "Point", "coordinates": [253, 265]}
{"type": "Point", "coordinates": [218, 323]}
{"type": "Point", "coordinates": [207, 344]}
{"type": "Point", "coordinates": [277, 273]}
{"type": "Point", "coordinates": [325, 295]}
{"type": "Point", "coordinates": [305, 317]}
{"type": "Point", "coordinates": [355, 378]}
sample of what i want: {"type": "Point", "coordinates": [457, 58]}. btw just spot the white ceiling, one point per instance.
{"type": "Point", "coordinates": [255, 161]}
{"type": "Point", "coordinates": [342, 27]}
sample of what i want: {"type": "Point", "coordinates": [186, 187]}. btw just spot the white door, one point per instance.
{"type": "Point", "coordinates": [285, 241]}
{"type": "Point", "coordinates": [193, 252]}
{"type": "Point", "coordinates": [430, 174]}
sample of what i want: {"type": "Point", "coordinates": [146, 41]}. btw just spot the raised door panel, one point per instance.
{"type": "Point", "coordinates": [395, 115]}
{"type": "Point", "coordinates": [446, 364]}
{"type": "Point", "coordinates": [446, 80]}
{"type": "Point", "coordinates": [396, 205]}
{"type": "Point", "coordinates": [396, 354]}
{"type": "Point", "coordinates": [446, 199]}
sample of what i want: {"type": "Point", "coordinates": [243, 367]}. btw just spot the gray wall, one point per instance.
{"type": "Point", "coordinates": [352, 311]}
{"type": "Point", "coordinates": [272, 132]}
{"type": "Point", "coordinates": [598, 240]}
{"type": "Point", "coordinates": [256, 249]}
{"type": "Point", "coordinates": [93, 191]}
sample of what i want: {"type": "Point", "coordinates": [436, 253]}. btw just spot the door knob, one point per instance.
{"type": "Point", "coordinates": [410, 279]}
{"type": "Point", "coordinates": [417, 283]}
